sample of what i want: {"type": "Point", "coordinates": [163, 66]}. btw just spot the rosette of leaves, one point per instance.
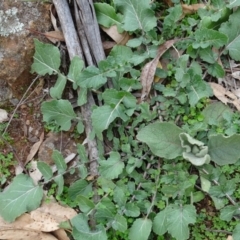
{"type": "Point", "coordinates": [194, 151]}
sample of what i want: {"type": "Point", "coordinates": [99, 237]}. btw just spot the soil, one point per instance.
{"type": "Point", "coordinates": [26, 125]}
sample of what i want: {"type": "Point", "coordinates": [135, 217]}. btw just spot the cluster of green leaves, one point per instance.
{"type": "Point", "coordinates": [6, 162]}
{"type": "Point", "coordinates": [145, 193]}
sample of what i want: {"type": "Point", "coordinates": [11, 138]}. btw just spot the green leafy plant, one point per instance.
{"type": "Point", "coordinates": [6, 162]}
{"type": "Point", "coordinates": [168, 152]}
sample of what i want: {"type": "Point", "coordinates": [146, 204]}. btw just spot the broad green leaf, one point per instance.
{"type": "Point", "coordinates": [179, 217]}
{"type": "Point", "coordinates": [131, 210]}
{"type": "Point", "coordinates": [84, 203]}
{"type": "Point", "coordinates": [205, 184]}
{"type": "Point", "coordinates": [106, 15]}
{"type": "Point", "coordinates": [198, 89]}
{"type": "Point", "coordinates": [137, 14]}
{"type": "Point", "coordinates": [112, 96]}
{"type": "Point", "coordinates": [59, 161]}
{"type": "Point", "coordinates": [45, 170]}
{"type": "Point", "coordinates": [160, 222]}
{"type": "Point", "coordinates": [135, 42]}
{"type": "Point", "coordinates": [121, 53]}
{"type": "Point", "coordinates": [216, 70]}
{"type": "Point", "coordinates": [231, 28]}
{"type": "Point", "coordinates": [128, 83]}
{"type": "Point", "coordinates": [163, 139]}
{"type": "Point", "coordinates": [60, 111]}
{"type": "Point", "coordinates": [60, 183]}
{"type": "Point", "coordinates": [80, 187]}
{"type": "Point", "coordinates": [81, 229]}
{"type": "Point", "coordinates": [82, 153]}
{"type": "Point", "coordinates": [75, 69]}
{"type": "Point", "coordinates": [208, 37]}
{"type": "Point", "coordinates": [83, 171]}
{"type": "Point", "coordinates": [21, 196]}
{"type": "Point", "coordinates": [106, 184]}
{"type": "Point", "coordinates": [140, 229]}
{"type": "Point", "coordinates": [80, 127]}
{"type": "Point", "coordinates": [198, 196]}
{"type": "Point", "coordinates": [57, 90]}
{"type": "Point", "coordinates": [112, 167]}
{"type": "Point", "coordinates": [82, 96]}
{"type": "Point", "coordinates": [92, 77]}
{"type": "Point", "coordinates": [219, 203]}
{"type": "Point", "coordinates": [46, 58]}
{"type": "Point", "coordinates": [224, 150]}
{"type": "Point", "coordinates": [236, 232]}
{"type": "Point", "coordinates": [227, 187]}
{"type": "Point", "coordinates": [119, 196]}
{"type": "Point", "coordinates": [226, 214]}
{"type": "Point", "coordinates": [106, 210]}
{"type": "Point", "coordinates": [119, 223]}
{"type": "Point", "coordinates": [217, 191]}
{"type": "Point", "coordinates": [214, 113]}
{"type": "Point", "coordinates": [233, 4]}
{"type": "Point", "coordinates": [104, 115]}
{"type": "Point", "coordinates": [208, 55]}
{"type": "Point", "coordinates": [175, 14]}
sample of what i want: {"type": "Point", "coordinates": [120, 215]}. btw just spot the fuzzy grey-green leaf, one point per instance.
{"type": "Point", "coordinates": [137, 15]}
{"type": "Point", "coordinates": [21, 196]}
{"type": "Point", "coordinates": [46, 58]}
{"type": "Point", "coordinates": [58, 111]}
{"type": "Point", "coordinates": [140, 229]}
{"type": "Point", "coordinates": [163, 139]}
{"type": "Point", "coordinates": [224, 150]}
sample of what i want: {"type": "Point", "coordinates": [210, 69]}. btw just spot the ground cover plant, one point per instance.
{"type": "Point", "coordinates": [169, 122]}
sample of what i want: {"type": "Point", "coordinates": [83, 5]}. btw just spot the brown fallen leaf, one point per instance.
{"type": "Point", "coordinates": [60, 234]}
{"type": "Point", "coordinates": [19, 234]}
{"type": "Point", "coordinates": [236, 75]}
{"type": "Point", "coordinates": [108, 45]}
{"type": "Point", "coordinates": [119, 38]}
{"type": "Point", "coordinates": [53, 18]}
{"type": "Point", "coordinates": [34, 149]}
{"type": "Point", "coordinates": [60, 213]}
{"type": "Point", "coordinates": [148, 71]}
{"type": "Point", "coordinates": [55, 36]}
{"type": "Point", "coordinates": [224, 95]}
{"type": "Point", "coordinates": [191, 9]}
{"type": "Point", "coordinates": [19, 229]}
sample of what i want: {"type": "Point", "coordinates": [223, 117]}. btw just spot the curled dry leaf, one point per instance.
{"type": "Point", "coordinates": [36, 224]}
{"type": "Point", "coordinates": [191, 9]}
{"type": "Point", "coordinates": [148, 71]}
{"type": "Point", "coordinates": [236, 75]}
{"type": "Point", "coordinates": [53, 18]}
{"type": "Point", "coordinates": [55, 36]}
{"type": "Point", "coordinates": [119, 38]}
{"type": "Point", "coordinates": [34, 149]}
{"type": "Point", "coordinates": [43, 221]}
{"type": "Point", "coordinates": [19, 234]}
{"type": "Point", "coordinates": [237, 92]}
{"type": "Point", "coordinates": [61, 234]}
{"type": "Point", "coordinates": [34, 172]}
{"type": "Point", "coordinates": [60, 213]}
{"type": "Point", "coordinates": [19, 229]}
{"type": "Point", "coordinates": [224, 95]}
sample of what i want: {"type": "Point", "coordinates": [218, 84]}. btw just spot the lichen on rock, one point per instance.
{"type": "Point", "coordinates": [9, 22]}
